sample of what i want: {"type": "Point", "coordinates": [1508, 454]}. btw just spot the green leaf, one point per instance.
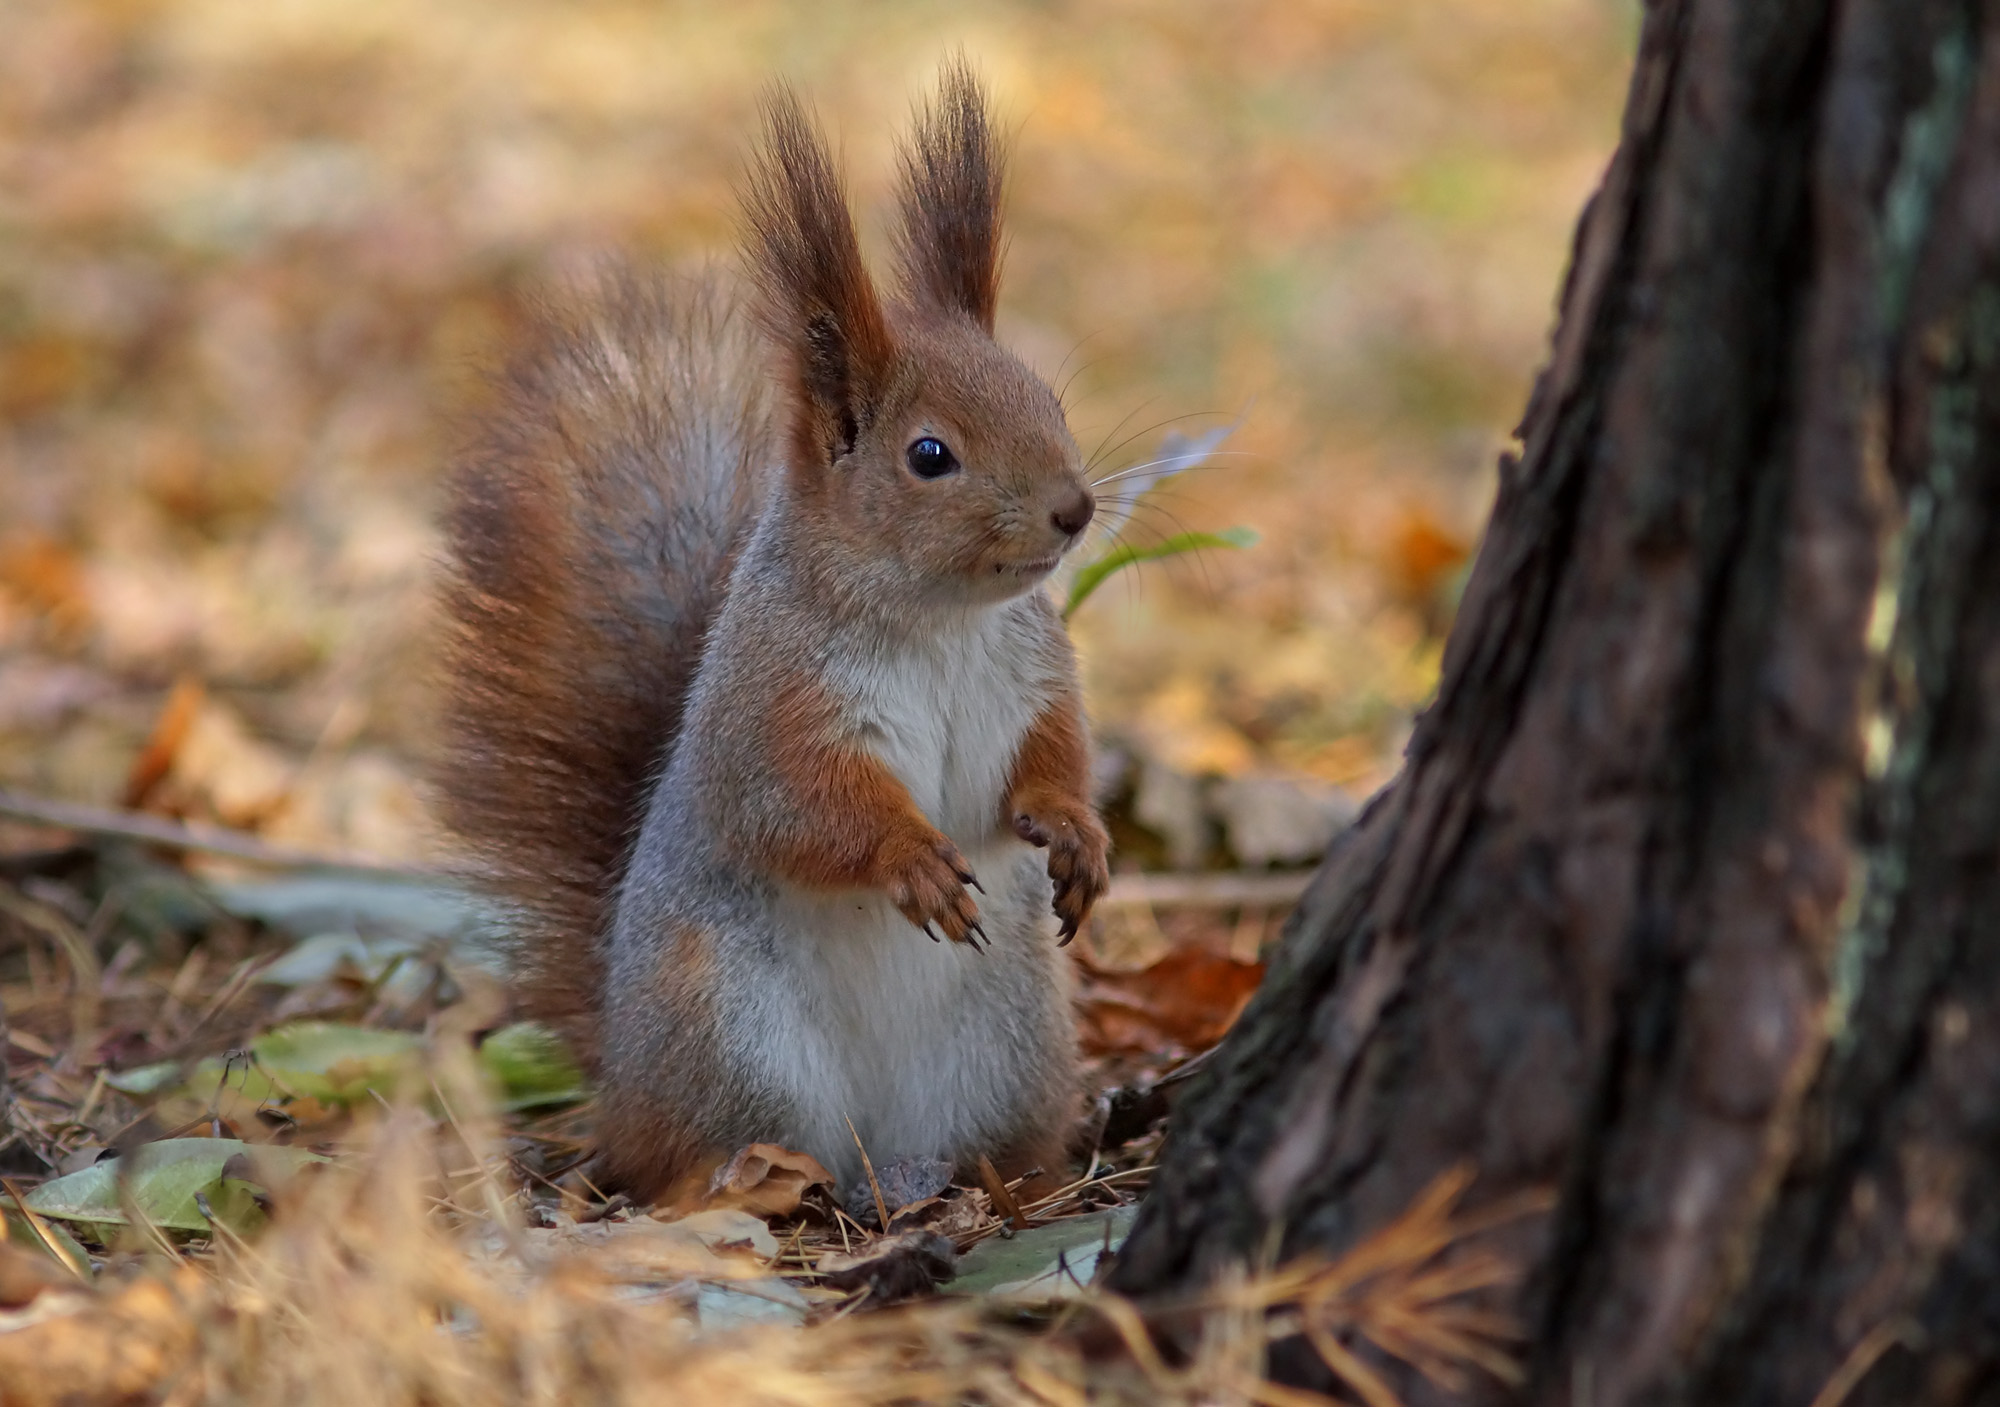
{"type": "Point", "coordinates": [531, 1066]}
{"type": "Point", "coordinates": [66, 1251]}
{"type": "Point", "coordinates": [336, 1064]}
{"type": "Point", "coordinates": [1093, 575]}
{"type": "Point", "coordinates": [1044, 1262]}
{"type": "Point", "coordinates": [143, 1080]}
{"type": "Point", "coordinates": [164, 1179]}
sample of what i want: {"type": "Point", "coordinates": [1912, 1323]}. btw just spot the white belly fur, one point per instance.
{"type": "Point", "coordinates": [921, 1045]}
{"type": "Point", "coordinates": [926, 1047]}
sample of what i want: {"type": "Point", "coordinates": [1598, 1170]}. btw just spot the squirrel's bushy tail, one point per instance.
{"type": "Point", "coordinates": [591, 525]}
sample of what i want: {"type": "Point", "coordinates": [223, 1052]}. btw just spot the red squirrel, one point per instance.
{"type": "Point", "coordinates": [760, 720]}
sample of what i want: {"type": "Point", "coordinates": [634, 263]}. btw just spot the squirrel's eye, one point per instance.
{"type": "Point", "coordinates": [929, 459]}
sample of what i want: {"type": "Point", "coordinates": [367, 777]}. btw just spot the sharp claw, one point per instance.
{"type": "Point", "coordinates": [928, 933]}
{"type": "Point", "coordinates": [974, 927]}
{"type": "Point", "coordinates": [973, 880]}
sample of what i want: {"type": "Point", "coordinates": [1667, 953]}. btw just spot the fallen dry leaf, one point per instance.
{"type": "Point", "coordinates": [762, 1178]}
{"type": "Point", "coordinates": [156, 758]}
{"type": "Point", "coordinates": [1423, 553]}
{"type": "Point", "coordinates": [910, 1263]}
{"type": "Point", "coordinates": [24, 1274]}
{"type": "Point", "coordinates": [49, 577]}
{"type": "Point", "coordinates": [107, 1349]}
{"type": "Point", "coordinates": [222, 770]}
{"type": "Point", "coordinates": [1184, 1002]}
{"type": "Point", "coordinates": [954, 1213]}
{"type": "Point", "coordinates": [721, 1244]}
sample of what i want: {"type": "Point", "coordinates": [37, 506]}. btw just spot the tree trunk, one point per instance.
{"type": "Point", "coordinates": [1686, 904]}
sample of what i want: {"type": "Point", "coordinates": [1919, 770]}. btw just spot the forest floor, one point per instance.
{"type": "Point", "coordinates": [284, 1145]}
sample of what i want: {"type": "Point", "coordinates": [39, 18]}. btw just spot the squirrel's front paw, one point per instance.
{"type": "Point", "coordinates": [928, 884]}
{"type": "Point", "coordinates": [1078, 849]}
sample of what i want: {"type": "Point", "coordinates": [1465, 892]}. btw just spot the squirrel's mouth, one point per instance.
{"type": "Point", "coordinates": [1040, 566]}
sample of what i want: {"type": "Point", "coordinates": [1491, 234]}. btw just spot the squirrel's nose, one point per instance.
{"type": "Point", "coordinates": [1073, 515]}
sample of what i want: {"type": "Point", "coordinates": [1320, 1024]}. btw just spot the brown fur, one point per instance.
{"type": "Point", "coordinates": [595, 524]}
{"type": "Point", "coordinates": [649, 1140]}
{"type": "Point", "coordinates": [818, 304]}
{"type": "Point", "coordinates": [1042, 1160]}
{"type": "Point", "coordinates": [1048, 804]}
{"type": "Point", "coordinates": [949, 245]}
{"type": "Point", "coordinates": [845, 821]}
{"type": "Point", "coordinates": [576, 607]}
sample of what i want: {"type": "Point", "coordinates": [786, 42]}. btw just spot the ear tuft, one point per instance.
{"type": "Point", "coordinates": [953, 169]}
{"type": "Point", "coordinates": [818, 302]}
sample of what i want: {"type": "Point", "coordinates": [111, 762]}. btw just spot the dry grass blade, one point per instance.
{"type": "Point", "coordinates": [426, 1266]}
{"type": "Point", "coordinates": [86, 976]}
{"type": "Point", "coordinates": [1863, 1356]}
{"type": "Point", "coordinates": [868, 1166]}
{"type": "Point", "coordinates": [403, 1276]}
{"type": "Point", "coordinates": [64, 1256]}
{"type": "Point", "coordinates": [1402, 1290]}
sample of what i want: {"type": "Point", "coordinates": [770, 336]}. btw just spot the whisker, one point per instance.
{"type": "Point", "coordinates": [1156, 511]}
{"type": "Point", "coordinates": [1111, 541]}
{"type": "Point", "coordinates": [1102, 453]}
{"type": "Point", "coordinates": [1123, 421]}
{"type": "Point", "coordinates": [1062, 394]}
{"type": "Point", "coordinates": [1127, 473]}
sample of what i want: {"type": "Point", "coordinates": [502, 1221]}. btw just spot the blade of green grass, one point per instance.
{"type": "Point", "coordinates": [1094, 574]}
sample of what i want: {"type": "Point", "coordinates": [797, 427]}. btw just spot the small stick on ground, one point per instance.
{"type": "Point", "coordinates": [868, 1166]}
{"type": "Point", "coordinates": [176, 835]}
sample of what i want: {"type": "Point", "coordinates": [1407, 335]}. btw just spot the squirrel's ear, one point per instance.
{"type": "Point", "coordinates": [817, 301]}
{"type": "Point", "coordinates": [949, 244]}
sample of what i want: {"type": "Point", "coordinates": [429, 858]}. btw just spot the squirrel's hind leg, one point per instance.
{"type": "Point", "coordinates": [667, 1110]}
{"type": "Point", "coordinates": [1042, 1158]}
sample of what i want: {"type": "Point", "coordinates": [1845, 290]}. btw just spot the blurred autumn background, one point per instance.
{"type": "Point", "coordinates": [254, 257]}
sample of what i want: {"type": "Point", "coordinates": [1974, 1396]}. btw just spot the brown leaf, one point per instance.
{"type": "Point", "coordinates": [49, 577]}
{"type": "Point", "coordinates": [896, 1268]}
{"type": "Point", "coordinates": [954, 1213]}
{"type": "Point", "coordinates": [113, 1349]}
{"type": "Point", "coordinates": [24, 1274]}
{"type": "Point", "coordinates": [156, 759]}
{"type": "Point", "coordinates": [1422, 554]}
{"type": "Point", "coordinates": [764, 1179]}
{"type": "Point", "coordinates": [39, 372]}
{"type": "Point", "coordinates": [222, 770]}
{"type": "Point", "coordinates": [1185, 1001]}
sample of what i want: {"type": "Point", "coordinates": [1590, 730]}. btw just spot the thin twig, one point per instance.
{"type": "Point", "coordinates": [1245, 889]}
{"type": "Point", "coordinates": [230, 990]}
{"type": "Point", "coordinates": [187, 835]}
{"type": "Point", "coordinates": [868, 1166]}
{"type": "Point", "coordinates": [86, 974]}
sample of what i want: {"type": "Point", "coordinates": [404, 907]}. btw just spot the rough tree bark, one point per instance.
{"type": "Point", "coordinates": [1686, 904]}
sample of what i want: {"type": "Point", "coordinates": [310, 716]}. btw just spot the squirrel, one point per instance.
{"type": "Point", "coordinates": [758, 718]}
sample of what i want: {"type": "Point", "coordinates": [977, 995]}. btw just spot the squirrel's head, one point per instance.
{"type": "Point", "coordinates": [915, 439]}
